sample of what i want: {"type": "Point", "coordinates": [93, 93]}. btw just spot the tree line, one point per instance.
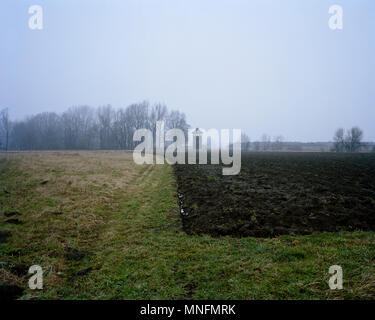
{"type": "Point", "coordinates": [266, 143]}
{"type": "Point", "coordinates": [351, 141]}
{"type": "Point", "coordinates": [107, 128]}
{"type": "Point", "coordinates": [86, 128]}
{"type": "Point", "coordinates": [343, 141]}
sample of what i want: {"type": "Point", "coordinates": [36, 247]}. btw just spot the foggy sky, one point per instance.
{"type": "Point", "coordinates": [264, 66]}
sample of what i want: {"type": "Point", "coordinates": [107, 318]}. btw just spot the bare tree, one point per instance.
{"type": "Point", "coordinates": [46, 131]}
{"type": "Point", "coordinates": [176, 120]}
{"type": "Point", "coordinates": [137, 117]}
{"type": "Point", "coordinates": [159, 112]}
{"type": "Point", "coordinates": [353, 139]}
{"type": "Point", "coordinates": [106, 118]}
{"type": "Point", "coordinates": [5, 127]}
{"type": "Point", "coordinates": [80, 128]}
{"type": "Point", "coordinates": [339, 140]}
{"type": "Point", "coordinates": [120, 128]}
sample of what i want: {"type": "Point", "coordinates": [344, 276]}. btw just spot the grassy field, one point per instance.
{"type": "Point", "coordinates": [102, 227]}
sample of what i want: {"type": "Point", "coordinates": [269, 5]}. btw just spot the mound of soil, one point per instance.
{"type": "Point", "coordinates": [279, 193]}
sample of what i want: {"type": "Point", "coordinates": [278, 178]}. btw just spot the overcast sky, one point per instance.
{"type": "Point", "coordinates": [264, 66]}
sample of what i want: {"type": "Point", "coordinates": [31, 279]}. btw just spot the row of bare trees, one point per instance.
{"type": "Point", "coordinates": [344, 141]}
{"type": "Point", "coordinates": [265, 143]}
{"type": "Point", "coordinates": [84, 127]}
{"type": "Point", "coordinates": [351, 141]}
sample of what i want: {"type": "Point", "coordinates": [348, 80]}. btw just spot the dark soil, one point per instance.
{"type": "Point", "coordinates": [58, 213]}
{"type": "Point", "coordinates": [20, 270]}
{"type": "Point", "coordinates": [12, 213]}
{"type": "Point", "coordinates": [13, 221]}
{"type": "Point", "coordinates": [8, 292]}
{"type": "Point", "coordinates": [4, 235]}
{"type": "Point", "coordinates": [79, 274]}
{"type": "Point", "coordinates": [15, 253]}
{"type": "Point", "coordinates": [73, 254]}
{"type": "Point", "coordinates": [279, 193]}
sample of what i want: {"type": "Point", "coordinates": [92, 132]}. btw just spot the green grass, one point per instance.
{"type": "Point", "coordinates": [141, 252]}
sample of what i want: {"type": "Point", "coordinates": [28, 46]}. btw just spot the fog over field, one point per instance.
{"type": "Point", "coordinates": [271, 66]}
